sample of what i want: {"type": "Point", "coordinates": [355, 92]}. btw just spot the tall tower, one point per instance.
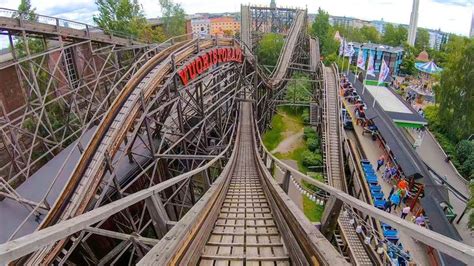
{"type": "Point", "coordinates": [413, 23]}
{"type": "Point", "coordinates": [471, 32]}
{"type": "Point", "coordinates": [273, 4]}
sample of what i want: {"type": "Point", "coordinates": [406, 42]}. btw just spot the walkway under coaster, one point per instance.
{"type": "Point", "coordinates": [412, 165]}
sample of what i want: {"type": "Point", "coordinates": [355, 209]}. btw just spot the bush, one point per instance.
{"type": "Point", "coordinates": [309, 133]}
{"type": "Point", "coordinates": [464, 150]}
{"type": "Point", "coordinates": [467, 168]}
{"type": "Point", "coordinates": [305, 116]}
{"type": "Point", "coordinates": [312, 159]}
{"type": "Point", "coordinates": [313, 144]}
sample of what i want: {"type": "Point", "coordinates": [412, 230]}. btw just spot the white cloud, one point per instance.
{"type": "Point", "coordinates": [448, 15]}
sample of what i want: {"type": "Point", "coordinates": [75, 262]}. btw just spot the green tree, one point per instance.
{"type": "Point", "coordinates": [394, 36]}
{"type": "Point", "coordinates": [125, 16]}
{"type": "Point", "coordinates": [269, 48]}
{"type": "Point", "coordinates": [422, 40]}
{"type": "Point", "coordinates": [370, 34]}
{"type": "Point", "coordinates": [25, 11]}
{"type": "Point", "coordinates": [174, 18]}
{"type": "Point", "coordinates": [35, 45]}
{"type": "Point", "coordinates": [299, 89]}
{"type": "Point", "coordinates": [455, 95]}
{"type": "Point", "coordinates": [323, 30]}
{"type": "Point", "coordinates": [408, 62]}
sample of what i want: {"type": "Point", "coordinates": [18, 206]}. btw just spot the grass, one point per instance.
{"type": "Point", "coordinates": [292, 122]}
{"type": "Point", "coordinates": [273, 137]}
{"type": "Point", "coordinates": [284, 122]}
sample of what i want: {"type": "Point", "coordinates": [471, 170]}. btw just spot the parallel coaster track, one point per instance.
{"type": "Point", "coordinates": [87, 178]}
{"type": "Point", "coordinates": [332, 135]}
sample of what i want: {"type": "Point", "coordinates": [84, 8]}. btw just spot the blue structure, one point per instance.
{"type": "Point", "coordinates": [393, 56]}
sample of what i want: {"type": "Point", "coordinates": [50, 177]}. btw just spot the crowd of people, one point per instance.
{"type": "Point", "coordinates": [386, 168]}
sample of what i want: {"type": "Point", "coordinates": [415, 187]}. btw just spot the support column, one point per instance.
{"type": "Point", "coordinates": [330, 215]}
{"type": "Point", "coordinates": [158, 214]}
{"type": "Point", "coordinates": [286, 181]}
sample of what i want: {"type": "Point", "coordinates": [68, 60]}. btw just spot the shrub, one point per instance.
{"type": "Point", "coordinates": [313, 144]}
{"type": "Point", "coordinates": [464, 150]}
{"type": "Point", "coordinates": [311, 159]}
{"type": "Point", "coordinates": [309, 133]}
{"type": "Point", "coordinates": [467, 168]}
{"type": "Point", "coordinates": [305, 116]}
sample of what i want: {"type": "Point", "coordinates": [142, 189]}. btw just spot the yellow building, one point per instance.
{"type": "Point", "coordinates": [224, 26]}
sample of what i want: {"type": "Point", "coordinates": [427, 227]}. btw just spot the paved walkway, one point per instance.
{"type": "Point", "coordinates": [373, 151]}
{"type": "Point", "coordinates": [290, 143]}
{"type": "Point", "coordinates": [434, 157]}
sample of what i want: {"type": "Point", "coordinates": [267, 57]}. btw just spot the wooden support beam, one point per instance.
{"type": "Point", "coordinates": [286, 182]}
{"type": "Point", "coordinates": [122, 236]}
{"type": "Point", "coordinates": [158, 214]}
{"type": "Point", "coordinates": [330, 214]}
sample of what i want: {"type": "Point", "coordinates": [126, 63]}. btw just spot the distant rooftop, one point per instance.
{"type": "Point", "coordinates": [378, 47]}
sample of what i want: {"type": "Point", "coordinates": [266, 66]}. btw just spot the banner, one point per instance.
{"type": "Point", "coordinates": [349, 50]}
{"type": "Point", "coordinates": [370, 65]}
{"type": "Point", "coordinates": [361, 59]}
{"type": "Point", "coordinates": [384, 70]}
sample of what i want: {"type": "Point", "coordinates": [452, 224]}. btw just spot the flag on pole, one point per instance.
{"type": "Point", "coordinates": [370, 65]}
{"type": "Point", "coordinates": [384, 70]}
{"type": "Point", "coordinates": [361, 59]}
{"type": "Point", "coordinates": [349, 50]}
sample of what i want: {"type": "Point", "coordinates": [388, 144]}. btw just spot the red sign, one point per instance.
{"type": "Point", "coordinates": [208, 59]}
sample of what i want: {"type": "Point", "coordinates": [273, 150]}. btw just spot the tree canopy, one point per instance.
{"type": "Point", "coordinates": [325, 32]}
{"type": "Point", "coordinates": [35, 45]}
{"type": "Point", "coordinates": [127, 17]}
{"type": "Point", "coordinates": [364, 34]}
{"type": "Point", "coordinates": [174, 18]}
{"type": "Point", "coordinates": [269, 48]}
{"type": "Point", "coordinates": [455, 95]}
{"type": "Point", "coordinates": [395, 36]}
{"type": "Point", "coordinates": [422, 40]}
{"type": "Point", "coordinates": [26, 11]}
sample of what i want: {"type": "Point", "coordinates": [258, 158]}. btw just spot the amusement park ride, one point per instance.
{"type": "Point", "coordinates": [151, 153]}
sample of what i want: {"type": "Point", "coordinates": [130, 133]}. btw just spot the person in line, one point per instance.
{"type": "Point", "coordinates": [380, 162]}
{"type": "Point", "coordinates": [405, 212]}
{"type": "Point", "coordinates": [386, 174]}
{"type": "Point", "coordinates": [395, 199]}
{"type": "Point", "coordinates": [420, 220]}
{"type": "Point", "coordinates": [387, 206]}
{"type": "Point", "coordinates": [402, 184]}
{"type": "Point", "coordinates": [394, 188]}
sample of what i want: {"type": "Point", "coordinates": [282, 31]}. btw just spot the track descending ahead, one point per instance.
{"type": "Point", "coordinates": [244, 219]}
{"type": "Point", "coordinates": [245, 229]}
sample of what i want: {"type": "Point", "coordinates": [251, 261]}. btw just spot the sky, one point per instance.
{"type": "Point", "coordinates": [448, 15]}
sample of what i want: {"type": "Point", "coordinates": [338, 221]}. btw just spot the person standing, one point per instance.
{"type": "Point", "coordinates": [395, 199]}
{"type": "Point", "coordinates": [420, 220]}
{"type": "Point", "coordinates": [387, 206]}
{"type": "Point", "coordinates": [405, 212]}
{"type": "Point", "coordinates": [380, 162]}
